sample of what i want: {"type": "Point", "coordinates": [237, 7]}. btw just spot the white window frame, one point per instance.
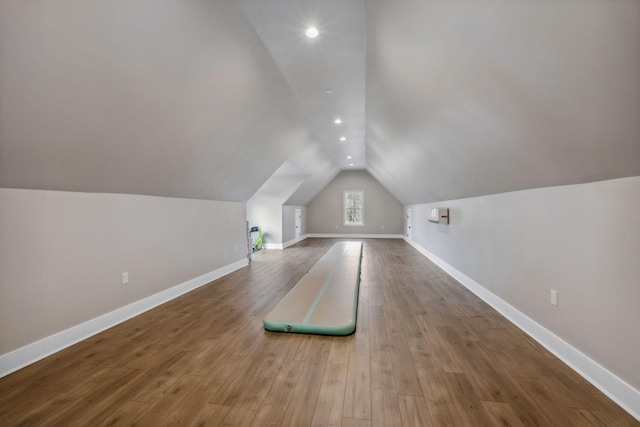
{"type": "Point", "coordinates": [344, 208]}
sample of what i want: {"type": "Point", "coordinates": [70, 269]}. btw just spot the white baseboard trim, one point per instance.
{"type": "Point", "coordinates": [31, 353]}
{"type": "Point", "coordinates": [615, 388]}
{"type": "Point", "coordinates": [273, 246]}
{"type": "Point", "coordinates": [294, 241]}
{"type": "Point", "coordinates": [355, 236]}
{"type": "Point", "coordinates": [285, 244]}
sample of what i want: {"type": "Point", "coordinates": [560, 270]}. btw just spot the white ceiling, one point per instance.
{"type": "Point", "coordinates": [332, 62]}
{"type": "Point", "coordinates": [466, 98]}
{"type": "Point", "coordinates": [440, 100]}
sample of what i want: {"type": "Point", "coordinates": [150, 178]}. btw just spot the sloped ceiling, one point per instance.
{"type": "Point", "coordinates": [327, 73]}
{"type": "Point", "coordinates": [161, 98]}
{"type": "Point", "coordinates": [207, 99]}
{"type": "Point", "coordinates": [281, 184]}
{"type": "Point", "coordinates": [468, 98]}
{"type": "Point", "coordinates": [318, 167]}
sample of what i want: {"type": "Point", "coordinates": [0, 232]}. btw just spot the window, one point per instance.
{"type": "Point", "coordinates": [353, 207]}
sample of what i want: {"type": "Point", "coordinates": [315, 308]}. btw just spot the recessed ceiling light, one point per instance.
{"type": "Point", "coordinates": [312, 32]}
{"type": "Point", "coordinates": [342, 138]}
{"type": "Point", "coordinates": [348, 157]}
{"type": "Point", "coordinates": [337, 121]}
{"type": "Point", "coordinates": [328, 91]}
{"type": "Point", "coordinates": [350, 164]}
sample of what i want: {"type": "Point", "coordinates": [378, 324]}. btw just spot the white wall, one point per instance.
{"type": "Point", "coordinates": [265, 206]}
{"type": "Point", "coordinates": [382, 212]}
{"type": "Point", "coordinates": [62, 254]}
{"type": "Point", "coordinates": [581, 240]}
{"type": "Point", "coordinates": [289, 222]}
{"type": "Point", "coordinates": [266, 212]}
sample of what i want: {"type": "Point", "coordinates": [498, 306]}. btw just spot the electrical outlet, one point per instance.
{"type": "Point", "coordinates": [553, 298]}
{"type": "Point", "coordinates": [125, 278]}
{"type": "Point", "coordinates": [235, 247]}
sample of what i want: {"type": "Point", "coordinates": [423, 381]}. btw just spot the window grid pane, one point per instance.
{"type": "Point", "coordinates": [353, 208]}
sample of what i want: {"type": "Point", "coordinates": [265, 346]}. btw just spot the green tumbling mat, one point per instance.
{"type": "Point", "coordinates": [325, 300]}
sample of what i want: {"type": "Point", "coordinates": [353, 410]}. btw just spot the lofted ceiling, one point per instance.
{"type": "Point", "coordinates": [468, 98]}
{"type": "Point", "coordinates": [326, 74]}
{"type": "Point", "coordinates": [209, 99]}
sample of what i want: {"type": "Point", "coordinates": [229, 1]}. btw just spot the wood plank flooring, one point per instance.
{"type": "Point", "coordinates": [426, 352]}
